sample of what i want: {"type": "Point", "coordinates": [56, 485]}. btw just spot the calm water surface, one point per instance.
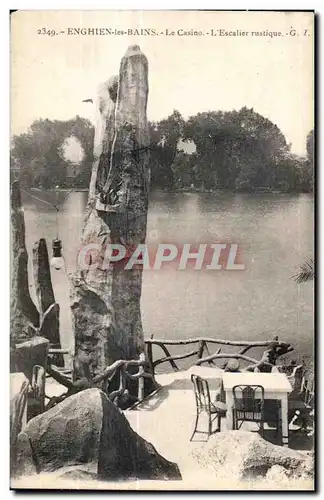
{"type": "Point", "coordinates": [274, 232]}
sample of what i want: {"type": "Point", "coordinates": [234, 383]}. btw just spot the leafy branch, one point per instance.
{"type": "Point", "coordinates": [306, 272]}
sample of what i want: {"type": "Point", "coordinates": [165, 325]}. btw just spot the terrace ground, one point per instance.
{"type": "Point", "coordinates": [166, 420]}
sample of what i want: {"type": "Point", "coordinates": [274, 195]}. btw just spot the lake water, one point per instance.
{"type": "Point", "coordinates": [274, 233]}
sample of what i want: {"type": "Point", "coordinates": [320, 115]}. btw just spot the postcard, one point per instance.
{"type": "Point", "coordinates": [162, 250]}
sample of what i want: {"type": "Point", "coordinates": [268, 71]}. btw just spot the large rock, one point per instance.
{"type": "Point", "coordinates": [25, 464]}
{"type": "Point", "coordinates": [92, 313]}
{"type": "Point", "coordinates": [24, 317]}
{"type": "Point", "coordinates": [246, 454]}
{"type": "Point", "coordinates": [48, 309]}
{"type": "Point", "coordinates": [88, 428]}
{"type": "Point", "coordinates": [105, 299]}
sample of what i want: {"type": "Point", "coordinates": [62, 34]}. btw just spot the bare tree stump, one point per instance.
{"type": "Point", "coordinates": [24, 317]}
{"type": "Point", "coordinates": [30, 353]}
{"type": "Point", "coordinates": [50, 322]}
{"type": "Point", "coordinates": [105, 300]}
{"type": "Point", "coordinates": [19, 386]}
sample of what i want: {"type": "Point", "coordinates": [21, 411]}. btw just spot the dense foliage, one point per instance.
{"type": "Point", "coordinates": [234, 150]}
{"type": "Point", "coordinates": [39, 154]}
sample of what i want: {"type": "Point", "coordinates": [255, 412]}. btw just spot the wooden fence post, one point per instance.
{"type": "Point", "coordinates": [150, 356]}
{"type": "Point", "coordinates": [141, 379]}
{"type": "Point", "coordinates": [201, 349]}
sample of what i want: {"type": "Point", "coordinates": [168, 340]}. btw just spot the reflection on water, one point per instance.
{"type": "Point", "coordinates": [275, 234]}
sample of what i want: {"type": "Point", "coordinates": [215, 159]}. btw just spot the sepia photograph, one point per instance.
{"type": "Point", "coordinates": [162, 257]}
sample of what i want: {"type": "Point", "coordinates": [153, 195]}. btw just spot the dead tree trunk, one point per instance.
{"type": "Point", "coordinates": [106, 299]}
{"type": "Point", "coordinates": [24, 317]}
{"type": "Point", "coordinates": [49, 316]}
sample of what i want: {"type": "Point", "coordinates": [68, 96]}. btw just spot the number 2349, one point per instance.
{"type": "Point", "coordinates": [46, 31]}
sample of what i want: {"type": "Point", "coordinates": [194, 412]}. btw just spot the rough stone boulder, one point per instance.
{"type": "Point", "coordinates": [88, 428]}
{"type": "Point", "coordinates": [24, 464]}
{"type": "Point", "coordinates": [245, 454]}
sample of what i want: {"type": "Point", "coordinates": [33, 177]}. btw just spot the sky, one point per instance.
{"type": "Point", "coordinates": [51, 75]}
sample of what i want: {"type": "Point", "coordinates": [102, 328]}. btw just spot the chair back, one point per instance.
{"type": "Point", "coordinates": [202, 394]}
{"type": "Point", "coordinates": [295, 376]}
{"type": "Point", "coordinates": [249, 402]}
{"type": "Point", "coordinates": [308, 388]}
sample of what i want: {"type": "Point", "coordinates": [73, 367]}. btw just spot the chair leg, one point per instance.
{"type": "Point", "coordinates": [279, 420]}
{"type": "Point", "coordinates": [195, 428]}
{"type": "Point", "coordinates": [219, 420]}
{"type": "Point", "coordinates": [277, 425]}
{"type": "Point", "coordinates": [210, 428]}
{"type": "Point", "coordinates": [304, 422]}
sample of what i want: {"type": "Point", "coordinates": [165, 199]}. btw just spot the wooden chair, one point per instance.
{"type": "Point", "coordinates": [248, 405]}
{"type": "Point", "coordinates": [294, 374]}
{"type": "Point", "coordinates": [301, 404]}
{"type": "Point", "coordinates": [204, 405]}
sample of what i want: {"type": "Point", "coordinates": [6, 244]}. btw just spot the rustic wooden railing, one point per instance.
{"type": "Point", "coordinates": [273, 346]}
{"type": "Point", "coordinates": [117, 369]}
{"type": "Point", "coordinates": [147, 364]}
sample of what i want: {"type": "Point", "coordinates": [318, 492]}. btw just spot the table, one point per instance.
{"type": "Point", "coordinates": [276, 386]}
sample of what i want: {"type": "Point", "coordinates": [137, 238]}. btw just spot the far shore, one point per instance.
{"type": "Point", "coordinates": [187, 191]}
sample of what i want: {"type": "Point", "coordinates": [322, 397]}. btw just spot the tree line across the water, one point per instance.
{"type": "Point", "coordinates": [233, 150]}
